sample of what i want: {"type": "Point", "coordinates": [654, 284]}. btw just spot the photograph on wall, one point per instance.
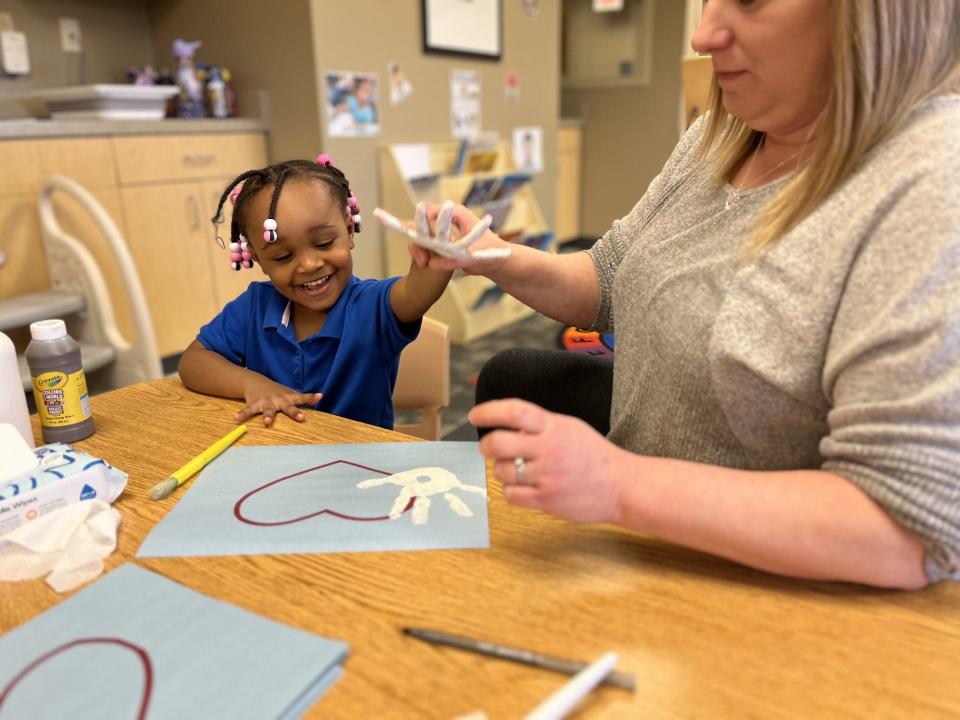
{"type": "Point", "coordinates": [528, 148]}
{"type": "Point", "coordinates": [400, 86]}
{"type": "Point", "coordinates": [464, 103]}
{"type": "Point", "coordinates": [352, 104]}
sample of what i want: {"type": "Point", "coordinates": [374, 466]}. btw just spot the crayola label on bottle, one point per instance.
{"type": "Point", "coordinates": [62, 398]}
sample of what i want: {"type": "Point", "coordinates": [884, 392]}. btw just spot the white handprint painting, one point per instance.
{"type": "Point", "coordinates": [440, 242]}
{"type": "Point", "coordinates": [419, 485]}
{"type": "Point", "coordinates": [330, 498]}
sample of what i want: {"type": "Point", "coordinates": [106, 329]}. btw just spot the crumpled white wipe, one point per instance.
{"type": "Point", "coordinates": [69, 544]}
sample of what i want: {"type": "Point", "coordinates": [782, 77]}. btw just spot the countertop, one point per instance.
{"type": "Point", "coordinates": [16, 128]}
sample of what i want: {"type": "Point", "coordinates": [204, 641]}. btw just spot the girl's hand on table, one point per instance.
{"type": "Point", "coordinates": [266, 397]}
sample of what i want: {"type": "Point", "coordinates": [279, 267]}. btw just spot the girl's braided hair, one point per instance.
{"type": "Point", "coordinates": [253, 181]}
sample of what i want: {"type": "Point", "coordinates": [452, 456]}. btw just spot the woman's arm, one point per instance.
{"type": "Point", "coordinates": [561, 286]}
{"type": "Point", "coordinates": [804, 523]}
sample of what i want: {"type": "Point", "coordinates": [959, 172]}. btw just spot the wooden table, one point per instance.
{"type": "Point", "coordinates": [705, 638]}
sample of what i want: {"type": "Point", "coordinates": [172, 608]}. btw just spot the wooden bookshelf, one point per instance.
{"type": "Point", "coordinates": [460, 307]}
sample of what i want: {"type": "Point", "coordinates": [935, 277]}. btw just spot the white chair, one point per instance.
{"type": "Point", "coordinates": [423, 380]}
{"type": "Point", "coordinates": [72, 268]}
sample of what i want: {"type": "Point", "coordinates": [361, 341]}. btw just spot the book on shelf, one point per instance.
{"type": "Point", "coordinates": [479, 154]}
{"type": "Point", "coordinates": [498, 210]}
{"type": "Point", "coordinates": [481, 189]}
{"type": "Point", "coordinates": [461, 160]}
{"type": "Point", "coordinates": [481, 160]}
{"type": "Point", "coordinates": [509, 184]}
{"type": "Point", "coordinates": [489, 296]}
{"type": "Point", "coordinates": [421, 183]}
{"type": "Point", "coordinates": [413, 159]}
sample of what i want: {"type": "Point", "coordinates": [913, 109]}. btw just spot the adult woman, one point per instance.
{"type": "Point", "coordinates": [786, 294]}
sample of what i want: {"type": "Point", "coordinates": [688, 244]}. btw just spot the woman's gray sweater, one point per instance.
{"type": "Point", "coordinates": [836, 348]}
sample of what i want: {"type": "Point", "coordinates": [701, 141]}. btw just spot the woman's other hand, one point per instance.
{"type": "Point", "coordinates": [568, 469]}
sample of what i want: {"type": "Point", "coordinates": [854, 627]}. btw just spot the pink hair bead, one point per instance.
{"type": "Point", "coordinates": [269, 230]}
{"type": "Point", "coordinates": [352, 201]}
{"type": "Point", "coordinates": [323, 159]}
{"type": "Point", "coordinates": [234, 256]}
{"type": "Point", "coordinates": [235, 193]}
{"type": "Point", "coordinates": [246, 255]}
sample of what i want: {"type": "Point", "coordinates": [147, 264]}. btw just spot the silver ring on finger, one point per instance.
{"type": "Point", "coordinates": [521, 467]}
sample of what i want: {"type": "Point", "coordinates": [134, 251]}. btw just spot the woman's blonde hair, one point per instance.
{"type": "Point", "coordinates": [888, 57]}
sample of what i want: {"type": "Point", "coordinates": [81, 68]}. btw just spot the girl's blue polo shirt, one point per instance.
{"type": "Point", "coordinates": [352, 360]}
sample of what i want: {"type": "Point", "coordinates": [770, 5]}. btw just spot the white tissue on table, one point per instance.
{"type": "Point", "coordinates": [68, 545]}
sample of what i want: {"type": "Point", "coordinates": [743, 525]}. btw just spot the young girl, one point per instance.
{"type": "Point", "coordinates": [314, 335]}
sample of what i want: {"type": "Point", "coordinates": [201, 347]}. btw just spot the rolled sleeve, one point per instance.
{"type": "Point", "coordinates": [892, 371]}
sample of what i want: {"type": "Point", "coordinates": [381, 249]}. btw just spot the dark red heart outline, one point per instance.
{"type": "Point", "coordinates": [142, 654]}
{"type": "Point", "coordinates": [238, 513]}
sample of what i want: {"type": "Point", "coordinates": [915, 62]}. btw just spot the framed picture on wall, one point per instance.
{"type": "Point", "coordinates": [472, 28]}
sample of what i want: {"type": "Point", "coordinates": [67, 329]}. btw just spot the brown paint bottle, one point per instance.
{"type": "Point", "coordinates": [59, 386]}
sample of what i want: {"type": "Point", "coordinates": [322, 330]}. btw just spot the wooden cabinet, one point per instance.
{"type": "Point", "coordinates": [171, 186]}
{"type": "Point", "coordinates": [168, 244]}
{"type": "Point", "coordinates": [21, 167]}
{"type": "Point", "coordinates": [161, 191]}
{"type": "Point", "coordinates": [24, 164]}
{"type": "Point", "coordinates": [471, 306]}
{"type": "Point", "coordinates": [227, 283]}
{"type": "Point", "coordinates": [152, 158]}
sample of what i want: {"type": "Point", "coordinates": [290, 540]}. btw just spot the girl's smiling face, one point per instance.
{"type": "Point", "coordinates": [311, 262]}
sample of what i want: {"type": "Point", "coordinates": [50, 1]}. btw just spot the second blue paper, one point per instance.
{"type": "Point", "coordinates": [330, 498]}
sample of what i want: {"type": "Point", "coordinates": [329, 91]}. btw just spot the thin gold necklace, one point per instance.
{"type": "Point", "coordinates": [733, 193]}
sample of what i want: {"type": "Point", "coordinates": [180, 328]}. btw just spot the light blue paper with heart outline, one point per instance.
{"type": "Point", "coordinates": [205, 520]}
{"type": "Point", "coordinates": [206, 658]}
